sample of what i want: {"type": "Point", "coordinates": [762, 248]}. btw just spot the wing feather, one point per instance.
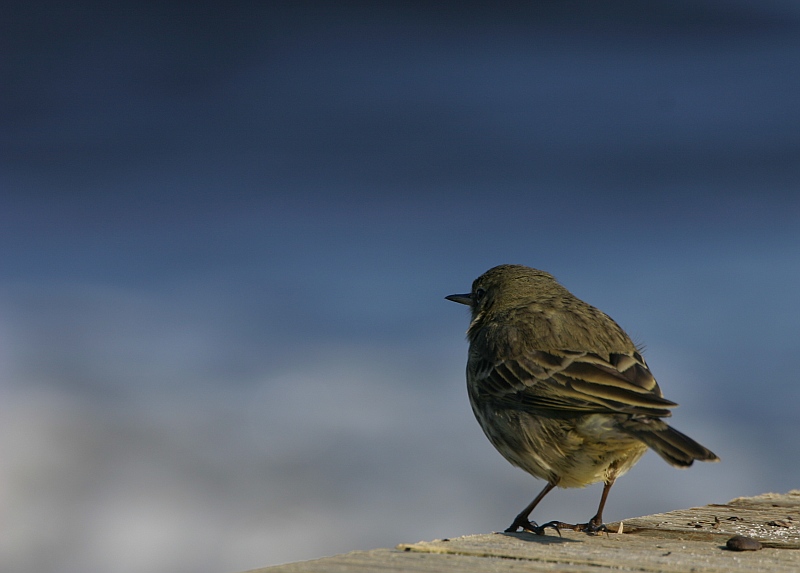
{"type": "Point", "coordinates": [570, 381]}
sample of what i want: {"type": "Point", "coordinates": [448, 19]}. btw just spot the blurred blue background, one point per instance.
{"type": "Point", "coordinates": [227, 228]}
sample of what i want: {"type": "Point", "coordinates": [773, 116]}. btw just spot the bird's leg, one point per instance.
{"type": "Point", "coordinates": [522, 521]}
{"type": "Point", "coordinates": [596, 523]}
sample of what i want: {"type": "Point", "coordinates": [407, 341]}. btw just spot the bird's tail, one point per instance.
{"type": "Point", "coordinates": [676, 448]}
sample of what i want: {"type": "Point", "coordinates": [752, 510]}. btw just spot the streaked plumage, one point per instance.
{"type": "Point", "coordinates": [559, 388]}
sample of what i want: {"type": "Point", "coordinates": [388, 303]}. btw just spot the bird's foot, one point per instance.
{"type": "Point", "coordinates": [592, 527]}
{"type": "Point", "coordinates": [534, 527]}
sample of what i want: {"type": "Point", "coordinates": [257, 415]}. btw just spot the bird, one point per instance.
{"type": "Point", "coordinates": [561, 391]}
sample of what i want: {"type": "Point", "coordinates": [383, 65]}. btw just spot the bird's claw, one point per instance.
{"type": "Point", "coordinates": [534, 527]}
{"type": "Point", "coordinates": [591, 527]}
{"type": "Point", "coordinates": [539, 529]}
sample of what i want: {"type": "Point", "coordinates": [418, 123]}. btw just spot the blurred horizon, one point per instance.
{"type": "Point", "coordinates": [227, 232]}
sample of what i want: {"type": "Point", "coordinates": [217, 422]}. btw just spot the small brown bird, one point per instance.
{"type": "Point", "coordinates": [560, 390]}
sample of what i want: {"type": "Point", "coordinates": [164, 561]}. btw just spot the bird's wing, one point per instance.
{"type": "Point", "coordinates": [570, 381]}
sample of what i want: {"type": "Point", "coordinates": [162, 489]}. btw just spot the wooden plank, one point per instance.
{"type": "Point", "coordinates": [580, 552]}
{"type": "Point", "coordinates": [773, 519]}
{"type": "Point", "coordinates": [673, 542]}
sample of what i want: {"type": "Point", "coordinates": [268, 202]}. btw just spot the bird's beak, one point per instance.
{"type": "Point", "coordinates": [461, 298]}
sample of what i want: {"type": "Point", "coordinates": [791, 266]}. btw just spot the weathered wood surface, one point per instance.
{"type": "Point", "coordinates": [677, 541]}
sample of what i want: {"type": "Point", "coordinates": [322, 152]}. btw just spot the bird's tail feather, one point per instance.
{"type": "Point", "coordinates": [676, 448]}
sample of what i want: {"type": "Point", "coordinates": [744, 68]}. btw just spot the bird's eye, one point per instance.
{"type": "Point", "coordinates": [478, 295]}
